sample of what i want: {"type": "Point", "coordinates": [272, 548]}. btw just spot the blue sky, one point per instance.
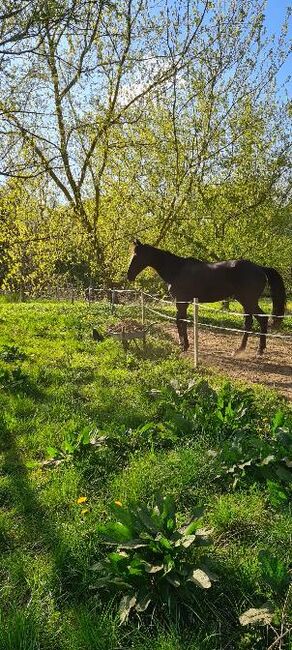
{"type": "Point", "coordinates": [275, 13]}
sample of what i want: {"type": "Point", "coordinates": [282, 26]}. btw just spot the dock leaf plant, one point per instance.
{"type": "Point", "coordinates": [155, 564]}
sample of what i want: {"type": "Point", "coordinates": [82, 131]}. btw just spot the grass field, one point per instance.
{"type": "Point", "coordinates": [82, 424]}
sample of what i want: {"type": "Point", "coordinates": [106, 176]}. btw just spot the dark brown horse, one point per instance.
{"type": "Point", "coordinates": [188, 278]}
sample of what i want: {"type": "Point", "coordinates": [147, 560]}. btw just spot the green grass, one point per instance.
{"type": "Point", "coordinates": [56, 382]}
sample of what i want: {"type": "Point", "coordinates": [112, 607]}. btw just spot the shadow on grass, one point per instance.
{"type": "Point", "coordinates": [16, 381]}
{"type": "Point", "coordinates": [41, 533]}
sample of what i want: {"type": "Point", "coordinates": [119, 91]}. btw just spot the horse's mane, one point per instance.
{"type": "Point", "coordinates": [174, 256]}
{"type": "Point", "coordinates": [164, 252]}
{"type": "Point", "coordinates": [194, 259]}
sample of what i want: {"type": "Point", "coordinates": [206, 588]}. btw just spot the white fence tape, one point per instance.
{"type": "Point", "coordinates": [218, 327]}
{"type": "Point", "coordinates": [158, 313]}
{"type": "Point", "coordinates": [144, 294]}
{"type": "Point", "coordinates": [233, 329]}
{"type": "Point", "coordinates": [204, 307]}
{"type": "Point", "coordinates": [240, 313]}
{"type": "Point", "coordinates": [183, 302]}
{"type": "Point", "coordinates": [213, 309]}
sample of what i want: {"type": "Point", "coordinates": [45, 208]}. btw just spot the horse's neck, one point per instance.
{"type": "Point", "coordinates": [166, 264]}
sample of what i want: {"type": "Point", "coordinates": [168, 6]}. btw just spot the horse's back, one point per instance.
{"type": "Point", "coordinates": [212, 281]}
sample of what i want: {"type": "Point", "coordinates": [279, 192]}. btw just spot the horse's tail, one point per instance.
{"type": "Point", "coordinates": [278, 294]}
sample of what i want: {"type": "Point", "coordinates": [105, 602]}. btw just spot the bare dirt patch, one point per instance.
{"type": "Point", "coordinates": [273, 369]}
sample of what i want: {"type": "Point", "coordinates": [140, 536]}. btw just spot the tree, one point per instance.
{"type": "Point", "coordinates": [39, 247]}
{"type": "Point", "coordinates": [84, 69]}
{"type": "Point", "coordinates": [162, 121]}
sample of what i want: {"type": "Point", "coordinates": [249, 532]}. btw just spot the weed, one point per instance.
{"type": "Point", "coordinates": [154, 563]}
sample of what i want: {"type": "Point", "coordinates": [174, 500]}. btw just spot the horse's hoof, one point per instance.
{"type": "Point", "coordinates": [259, 353]}
{"type": "Point", "coordinates": [184, 346]}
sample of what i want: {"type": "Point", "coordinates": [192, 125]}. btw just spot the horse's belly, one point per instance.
{"type": "Point", "coordinates": [206, 289]}
{"type": "Point", "coordinates": [211, 293]}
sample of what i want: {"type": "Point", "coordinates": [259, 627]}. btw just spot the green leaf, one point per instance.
{"type": "Point", "coordinates": [123, 514]}
{"type": "Point", "coordinates": [185, 541]}
{"type": "Point", "coordinates": [68, 448]}
{"type": "Point", "coordinates": [277, 496]}
{"type": "Point", "coordinates": [166, 507]}
{"type": "Point", "coordinates": [132, 544]}
{"type": "Point", "coordinates": [163, 541]}
{"type": "Point", "coordinates": [135, 570]}
{"type": "Point", "coordinates": [169, 564]}
{"type": "Point", "coordinates": [278, 420]}
{"type": "Point", "coordinates": [116, 557]}
{"type": "Point", "coordinates": [101, 582]}
{"type": "Point", "coordinates": [85, 435]}
{"type": "Point", "coordinates": [127, 603]}
{"type": "Point", "coordinates": [146, 519]}
{"type": "Point", "coordinates": [53, 452]}
{"type": "Point", "coordinates": [284, 474]}
{"type": "Point", "coordinates": [153, 568]}
{"type": "Point", "coordinates": [110, 580]}
{"type": "Point", "coordinates": [115, 532]}
{"type": "Point", "coordinates": [191, 528]}
{"type": "Point", "coordinates": [149, 426]}
{"type": "Point", "coordinates": [143, 603]}
{"type": "Point", "coordinates": [200, 578]}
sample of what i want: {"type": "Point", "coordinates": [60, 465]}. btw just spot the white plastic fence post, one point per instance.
{"type": "Point", "coordinates": [113, 297]}
{"type": "Point", "coordinates": [142, 308]}
{"type": "Point", "coordinates": [196, 341]}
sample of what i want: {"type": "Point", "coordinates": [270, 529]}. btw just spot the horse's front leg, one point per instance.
{"type": "Point", "coordinates": [181, 315]}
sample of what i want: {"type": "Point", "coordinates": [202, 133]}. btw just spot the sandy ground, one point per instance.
{"type": "Point", "coordinates": [274, 368]}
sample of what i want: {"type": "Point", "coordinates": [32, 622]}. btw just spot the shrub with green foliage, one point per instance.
{"type": "Point", "coordinates": [254, 458]}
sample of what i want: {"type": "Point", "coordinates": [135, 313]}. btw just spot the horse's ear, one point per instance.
{"type": "Point", "coordinates": [137, 242]}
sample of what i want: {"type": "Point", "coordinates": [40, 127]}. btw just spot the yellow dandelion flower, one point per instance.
{"type": "Point", "coordinates": [81, 500]}
{"type": "Point", "coordinates": [84, 511]}
{"type": "Point", "coordinates": [118, 503]}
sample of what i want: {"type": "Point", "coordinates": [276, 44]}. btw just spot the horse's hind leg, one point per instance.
{"type": "Point", "coordinates": [247, 329]}
{"type": "Point", "coordinates": [262, 319]}
{"type": "Point", "coordinates": [181, 315]}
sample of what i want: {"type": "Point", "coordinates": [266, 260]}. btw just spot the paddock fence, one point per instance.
{"type": "Point", "coordinates": [157, 309]}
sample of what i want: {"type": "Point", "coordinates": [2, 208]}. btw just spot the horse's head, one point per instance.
{"type": "Point", "coordinates": [139, 260]}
